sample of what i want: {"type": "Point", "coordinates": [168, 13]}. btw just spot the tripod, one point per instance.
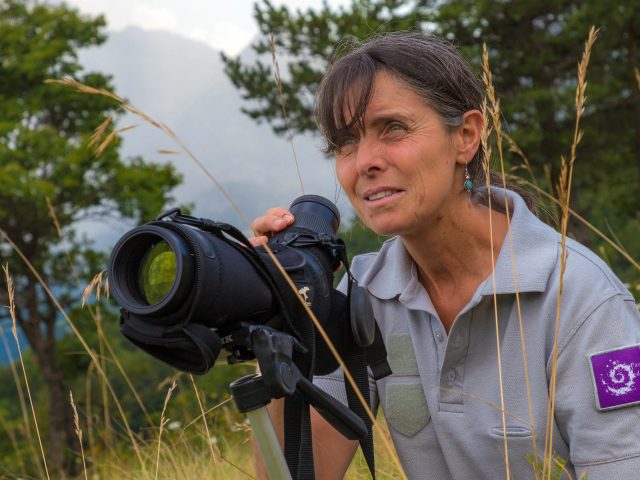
{"type": "Point", "coordinates": [280, 377]}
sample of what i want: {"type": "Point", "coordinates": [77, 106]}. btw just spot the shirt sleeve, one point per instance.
{"type": "Point", "coordinates": [603, 441]}
{"type": "Point", "coordinates": [333, 384]}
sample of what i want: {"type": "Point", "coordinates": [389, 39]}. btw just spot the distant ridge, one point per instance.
{"type": "Point", "coordinates": [181, 82]}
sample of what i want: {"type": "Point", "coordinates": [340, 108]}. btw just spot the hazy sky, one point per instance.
{"type": "Point", "coordinates": [226, 25]}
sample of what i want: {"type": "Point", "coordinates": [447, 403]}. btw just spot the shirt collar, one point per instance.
{"type": "Point", "coordinates": [535, 254]}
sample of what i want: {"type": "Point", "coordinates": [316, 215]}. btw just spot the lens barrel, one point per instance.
{"type": "Point", "coordinates": [315, 213]}
{"type": "Point", "coordinates": [130, 259]}
{"type": "Point", "coordinates": [179, 278]}
{"type": "Point", "coordinates": [213, 284]}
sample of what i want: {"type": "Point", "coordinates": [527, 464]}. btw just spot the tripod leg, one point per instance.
{"type": "Point", "coordinates": [267, 441]}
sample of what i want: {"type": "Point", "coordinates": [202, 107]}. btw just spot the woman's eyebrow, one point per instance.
{"type": "Point", "coordinates": [377, 121]}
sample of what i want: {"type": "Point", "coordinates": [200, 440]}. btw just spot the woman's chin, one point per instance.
{"type": "Point", "coordinates": [384, 229]}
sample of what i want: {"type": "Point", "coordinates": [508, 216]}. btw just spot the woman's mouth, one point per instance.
{"type": "Point", "coordinates": [380, 197]}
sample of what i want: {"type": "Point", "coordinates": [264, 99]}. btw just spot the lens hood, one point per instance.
{"type": "Point", "coordinates": [125, 264]}
{"type": "Point", "coordinates": [315, 213]}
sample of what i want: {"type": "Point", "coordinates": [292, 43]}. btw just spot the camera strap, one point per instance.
{"type": "Point", "coordinates": [355, 362]}
{"type": "Point", "coordinates": [297, 419]}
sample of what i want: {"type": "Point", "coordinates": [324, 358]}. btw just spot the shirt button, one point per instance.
{"type": "Point", "coordinates": [451, 376]}
{"type": "Point", "coordinates": [439, 336]}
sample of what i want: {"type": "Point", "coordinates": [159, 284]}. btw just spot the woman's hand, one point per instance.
{"type": "Point", "coordinates": [273, 221]}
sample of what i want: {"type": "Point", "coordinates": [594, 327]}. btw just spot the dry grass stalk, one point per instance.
{"type": "Point", "coordinates": [76, 424]}
{"type": "Point", "coordinates": [349, 378]}
{"type": "Point", "coordinates": [99, 286]}
{"type": "Point", "coordinates": [68, 81]}
{"type": "Point", "coordinates": [276, 72]}
{"type": "Point", "coordinates": [494, 109]}
{"type": "Point", "coordinates": [564, 194]}
{"type": "Point", "coordinates": [82, 88]}
{"type": "Point", "coordinates": [23, 405]}
{"type": "Point", "coordinates": [94, 284]}
{"type": "Point", "coordinates": [106, 141]}
{"type": "Point", "coordinates": [14, 330]}
{"type": "Point", "coordinates": [618, 247]}
{"type": "Point", "coordinates": [485, 165]}
{"type": "Point", "coordinates": [637, 72]}
{"type": "Point", "coordinates": [81, 339]}
{"type": "Point", "coordinates": [98, 137]}
{"type": "Point", "coordinates": [207, 412]}
{"type": "Point", "coordinates": [495, 406]}
{"type": "Point", "coordinates": [209, 439]}
{"type": "Point", "coordinates": [56, 223]}
{"type": "Point", "coordinates": [89, 413]}
{"type": "Point", "coordinates": [14, 441]}
{"type": "Point", "coordinates": [515, 148]}
{"type": "Point", "coordinates": [106, 411]}
{"type": "Point", "coordinates": [100, 132]}
{"type": "Point", "coordinates": [163, 422]}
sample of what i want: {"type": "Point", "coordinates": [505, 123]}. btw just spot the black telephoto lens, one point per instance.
{"type": "Point", "coordinates": [163, 270]}
{"type": "Point", "coordinates": [315, 213]}
{"type": "Point", "coordinates": [151, 271]}
{"type": "Point", "coordinates": [178, 278]}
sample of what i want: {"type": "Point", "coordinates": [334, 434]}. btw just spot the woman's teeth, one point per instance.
{"type": "Point", "coordinates": [379, 195]}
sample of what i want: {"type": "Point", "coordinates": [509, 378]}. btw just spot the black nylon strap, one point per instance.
{"type": "Point", "coordinates": [376, 354]}
{"type": "Point", "coordinates": [293, 407]}
{"type": "Point", "coordinates": [305, 362]}
{"type": "Point", "coordinates": [356, 364]}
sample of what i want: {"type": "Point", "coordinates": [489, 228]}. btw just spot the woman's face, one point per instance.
{"type": "Point", "coordinates": [399, 172]}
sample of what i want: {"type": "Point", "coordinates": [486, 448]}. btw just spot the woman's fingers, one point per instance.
{"type": "Point", "coordinates": [257, 241]}
{"type": "Point", "coordinates": [274, 220]}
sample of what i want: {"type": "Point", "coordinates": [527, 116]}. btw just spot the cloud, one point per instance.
{"type": "Point", "coordinates": [231, 38]}
{"type": "Point", "coordinates": [226, 25]}
{"type": "Point", "coordinates": [152, 17]}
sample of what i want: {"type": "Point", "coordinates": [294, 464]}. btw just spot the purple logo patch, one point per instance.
{"type": "Point", "coordinates": [616, 375]}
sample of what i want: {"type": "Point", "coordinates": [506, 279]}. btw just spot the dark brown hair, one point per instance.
{"type": "Point", "coordinates": [431, 67]}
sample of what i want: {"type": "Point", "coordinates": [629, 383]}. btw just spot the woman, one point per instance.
{"type": "Point", "coordinates": [402, 116]}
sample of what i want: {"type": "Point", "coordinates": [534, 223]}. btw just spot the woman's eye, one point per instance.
{"type": "Point", "coordinates": [395, 127]}
{"type": "Point", "coordinates": [345, 146]}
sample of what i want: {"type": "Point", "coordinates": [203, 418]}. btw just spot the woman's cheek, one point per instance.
{"type": "Point", "coordinates": [346, 175]}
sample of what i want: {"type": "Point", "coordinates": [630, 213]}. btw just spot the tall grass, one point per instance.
{"type": "Point", "coordinates": [14, 330]}
{"type": "Point", "coordinates": [102, 138]}
{"type": "Point", "coordinates": [178, 450]}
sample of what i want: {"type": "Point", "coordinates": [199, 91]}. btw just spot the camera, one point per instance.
{"type": "Point", "coordinates": [191, 287]}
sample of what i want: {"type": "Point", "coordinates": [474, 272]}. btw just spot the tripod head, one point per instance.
{"type": "Point", "coordinates": [280, 377]}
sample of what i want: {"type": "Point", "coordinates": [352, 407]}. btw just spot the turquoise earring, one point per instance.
{"type": "Point", "coordinates": [468, 184]}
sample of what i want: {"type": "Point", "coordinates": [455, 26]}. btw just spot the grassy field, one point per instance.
{"type": "Point", "coordinates": [186, 454]}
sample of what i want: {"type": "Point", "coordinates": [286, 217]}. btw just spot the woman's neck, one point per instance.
{"type": "Point", "coordinates": [454, 256]}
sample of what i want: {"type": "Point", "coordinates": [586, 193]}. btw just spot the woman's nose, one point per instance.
{"type": "Point", "coordinates": [369, 158]}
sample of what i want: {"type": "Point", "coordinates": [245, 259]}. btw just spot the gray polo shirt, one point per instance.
{"type": "Point", "coordinates": [443, 400]}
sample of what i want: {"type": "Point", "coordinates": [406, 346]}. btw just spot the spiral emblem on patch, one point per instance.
{"type": "Point", "coordinates": [616, 377]}
{"type": "Point", "coordinates": [621, 378]}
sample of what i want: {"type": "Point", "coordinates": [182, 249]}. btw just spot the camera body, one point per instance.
{"type": "Point", "coordinates": [190, 287]}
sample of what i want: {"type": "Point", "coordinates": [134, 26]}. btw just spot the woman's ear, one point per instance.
{"type": "Point", "coordinates": [469, 133]}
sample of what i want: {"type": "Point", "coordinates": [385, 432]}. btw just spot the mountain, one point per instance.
{"type": "Point", "coordinates": [181, 83]}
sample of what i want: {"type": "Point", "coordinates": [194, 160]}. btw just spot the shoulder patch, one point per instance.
{"type": "Point", "coordinates": [616, 377]}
